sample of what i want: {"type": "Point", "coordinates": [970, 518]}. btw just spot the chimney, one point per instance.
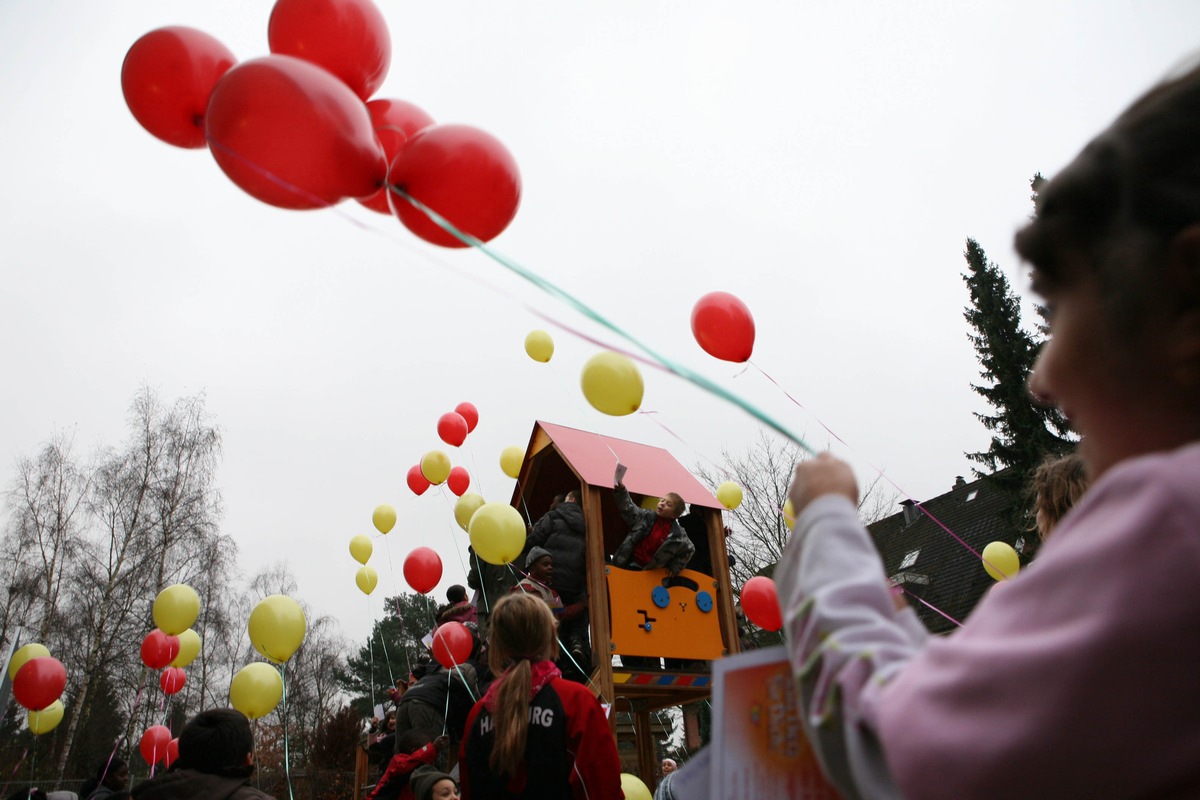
{"type": "Point", "coordinates": [911, 512]}
{"type": "Point", "coordinates": [959, 482]}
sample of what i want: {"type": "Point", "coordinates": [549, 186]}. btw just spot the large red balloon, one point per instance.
{"type": "Point", "coordinates": [159, 649]}
{"type": "Point", "coordinates": [723, 326]}
{"type": "Point", "coordinates": [346, 37]}
{"type": "Point", "coordinates": [464, 174]}
{"type": "Point", "coordinates": [154, 744]}
{"type": "Point", "coordinates": [423, 569]}
{"type": "Point", "coordinates": [761, 603]}
{"type": "Point", "coordinates": [417, 480]}
{"type": "Point", "coordinates": [452, 428]}
{"type": "Point", "coordinates": [172, 752]}
{"type": "Point", "coordinates": [395, 121]}
{"type": "Point", "coordinates": [172, 680]}
{"type": "Point", "coordinates": [168, 76]}
{"type": "Point", "coordinates": [39, 682]}
{"type": "Point", "coordinates": [452, 644]}
{"type": "Point", "coordinates": [468, 412]}
{"type": "Point", "coordinates": [459, 480]}
{"type": "Point", "coordinates": [292, 135]}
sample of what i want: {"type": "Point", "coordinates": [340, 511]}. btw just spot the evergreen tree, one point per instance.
{"type": "Point", "coordinates": [1023, 433]}
{"type": "Point", "coordinates": [391, 652]}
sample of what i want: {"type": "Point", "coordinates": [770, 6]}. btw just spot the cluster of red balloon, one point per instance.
{"type": "Point", "coordinates": [169, 647]}
{"type": "Point", "coordinates": [435, 467]}
{"type": "Point", "coordinates": [38, 680]}
{"type": "Point", "coordinates": [296, 128]}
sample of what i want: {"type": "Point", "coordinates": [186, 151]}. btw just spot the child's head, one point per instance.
{"type": "Point", "coordinates": [112, 772]}
{"type": "Point", "coordinates": [215, 741]}
{"type": "Point", "coordinates": [671, 506]}
{"type": "Point", "coordinates": [540, 565]}
{"type": "Point", "coordinates": [456, 594]}
{"type": "Point", "coordinates": [1115, 248]}
{"type": "Point", "coordinates": [522, 628]}
{"type": "Point", "coordinates": [430, 783]}
{"type": "Point", "coordinates": [1058, 483]}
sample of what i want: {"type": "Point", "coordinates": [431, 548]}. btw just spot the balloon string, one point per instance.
{"type": "Point", "coordinates": [13, 774]}
{"type": "Point", "coordinates": [555, 291]}
{"type": "Point", "coordinates": [929, 605]}
{"type": "Point", "coordinates": [371, 655]}
{"type": "Point", "coordinates": [287, 759]}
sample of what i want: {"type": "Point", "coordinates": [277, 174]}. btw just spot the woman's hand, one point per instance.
{"type": "Point", "coordinates": [441, 742]}
{"type": "Point", "coordinates": [819, 476]}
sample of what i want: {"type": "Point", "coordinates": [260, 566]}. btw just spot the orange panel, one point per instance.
{"type": "Point", "coordinates": [653, 614]}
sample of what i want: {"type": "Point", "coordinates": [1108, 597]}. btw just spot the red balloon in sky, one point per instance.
{"type": "Point", "coordinates": [395, 121]}
{"type": "Point", "coordinates": [168, 76]}
{"type": "Point", "coordinates": [723, 326]}
{"type": "Point", "coordinates": [452, 428]}
{"type": "Point", "coordinates": [464, 174]}
{"type": "Point", "coordinates": [459, 480]}
{"type": "Point", "coordinates": [39, 682]}
{"type": "Point", "coordinates": [470, 413]}
{"type": "Point", "coordinates": [452, 644]}
{"type": "Point", "coordinates": [292, 135]}
{"type": "Point", "coordinates": [172, 680]}
{"type": "Point", "coordinates": [346, 37]}
{"type": "Point", "coordinates": [423, 569]}
{"type": "Point", "coordinates": [159, 649]}
{"type": "Point", "coordinates": [761, 603]}
{"type": "Point", "coordinates": [154, 743]}
{"type": "Point", "coordinates": [417, 480]}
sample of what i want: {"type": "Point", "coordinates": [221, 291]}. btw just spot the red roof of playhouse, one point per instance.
{"type": "Point", "coordinates": [651, 470]}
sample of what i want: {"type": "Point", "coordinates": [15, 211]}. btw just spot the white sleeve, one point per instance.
{"type": "Point", "coordinates": [845, 640]}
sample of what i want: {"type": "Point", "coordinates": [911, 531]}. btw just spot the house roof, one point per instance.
{"type": "Point", "coordinates": [651, 470]}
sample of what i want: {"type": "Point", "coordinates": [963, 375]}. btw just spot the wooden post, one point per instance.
{"type": "Point", "coordinates": [598, 599]}
{"type": "Point", "coordinates": [360, 769]}
{"type": "Point", "coordinates": [720, 568]}
{"type": "Point", "coordinates": [647, 766]}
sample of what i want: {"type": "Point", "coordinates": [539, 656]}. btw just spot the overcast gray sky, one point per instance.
{"type": "Point", "coordinates": [823, 161]}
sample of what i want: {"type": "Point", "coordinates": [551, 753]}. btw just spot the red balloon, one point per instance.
{"type": "Point", "coordinates": [292, 135]}
{"type": "Point", "coordinates": [452, 428]}
{"type": "Point", "coordinates": [168, 76]}
{"type": "Point", "coordinates": [723, 326]}
{"type": "Point", "coordinates": [159, 649]}
{"type": "Point", "coordinates": [39, 682]}
{"type": "Point", "coordinates": [459, 480]}
{"type": "Point", "coordinates": [464, 174]}
{"type": "Point", "coordinates": [761, 604]}
{"type": "Point", "coordinates": [172, 680]}
{"type": "Point", "coordinates": [417, 480]}
{"type": "Point", "coordinates": [346, 37]}
{"type": "Point", "coordinates": [172, 752]}
{"type": "Point", "coordinates": [423, 569]}
{"type": "Point", "coordinates": [154, 744]}
{"type": "Point", "coordinates": [470, 413]}
{"type": "Point", "coordinates": [395, 123]}
{"type": "Point", "coordinates": [452, 644]}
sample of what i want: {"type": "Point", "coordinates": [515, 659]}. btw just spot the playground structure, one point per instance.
{"type": "Point", "coordinates": [687, 619]}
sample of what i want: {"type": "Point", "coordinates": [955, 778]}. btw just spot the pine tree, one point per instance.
{"type": "Point", "coordinates": [391, 651]}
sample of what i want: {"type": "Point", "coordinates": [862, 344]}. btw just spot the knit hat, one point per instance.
{"type": "Point", "coordinates": [534, 555]}
{"type": "Point", "coordinates": [424, 778]}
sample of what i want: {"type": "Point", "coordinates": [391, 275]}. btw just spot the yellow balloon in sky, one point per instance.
{"type": "Point", "coordinates": [277, 627]}
{"type": "Point", "coordinates": [497, 533]}
{"type": "Point", "coordinates": [465, 508]}
{"type": "Point", "coordinates": [1001, 561]}
{"type": "Point", "coordinates": [189, 648]}
{"type": "Point", "coordinates": [256, 689]}
{"type": "Point", "coordinates": [47, 719]}
{"type": "Point", "coordinates": [612, 384]}
{"type": "Point", "coordinates": [384, 518]}
{"type": "Point", "coordinates": [361, 548]}
{"type": "Point", "coordinates": [511, 459]}
{"type": "Point", "coordinates": [789, 514]}
{"type": "Point", "coordinates": [539, 346]}
{"type": "Point", "coordinates": [633, 787]}
{"type": "Point", "coordinates": [26, 653]}
{"type": "Point", "coordinates": [176, 608]}
{"type": "Point", "coordinates": [729, 494]}
{"type": "Point", "coordinates": [435, 466]}
{"type": "Point", "coordinates": [367, 579]}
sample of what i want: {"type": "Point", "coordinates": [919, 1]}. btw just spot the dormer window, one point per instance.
{"type": "Point", "coordinates": [971, 495]}
{"type": "Point", "coordinates": [910, 558]}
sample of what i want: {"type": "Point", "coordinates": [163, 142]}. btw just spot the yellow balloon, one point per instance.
{"type": "Point", "coordinates": [729, 494]}
{"type": "Point", "coordinates": [465, 508]}
{"type": "Point", "coordinates": [1001, 561]}
{"type": "Point", "coordinates": [633, 788]}
{"type": "Point", "coordinates": [789, 514]}
{"type": "Point", "coordinates": [612, 384]}
{"type": "Point", "coordinates": [511, 459]}
{"type": "Point", "coordinates": [189, 648]}
{"type": "Point", "coordinates": [176, 608]}
{"type": "Point", "coordinates": [26, 653]}
{"type": "Point", "coordinates": [367, 579]}
{"type": "Point", "coordinates": [47, 719]}
{"type": "Point", "coordinates": [497, 533]}
{"type": "Point", "coordinates": [277, 627]}
{"type": "Point", "coordinates": [435, 466]}
{"type": "Point", "coordinates": [384, 518]}
{"type": "Point", "coordinates": [650, 503]}
{"type": "Point", "coordinates": [539, 346]}
{"type": "Point", "coordinates": [256, 689]}
{"type": "Point", "coordinates": [361, 548]}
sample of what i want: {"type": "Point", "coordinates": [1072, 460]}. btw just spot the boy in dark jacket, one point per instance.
{"type": "Point", "coordinates": [655, 538]}
{"type": "Point", "coordinates": [216, 760]}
